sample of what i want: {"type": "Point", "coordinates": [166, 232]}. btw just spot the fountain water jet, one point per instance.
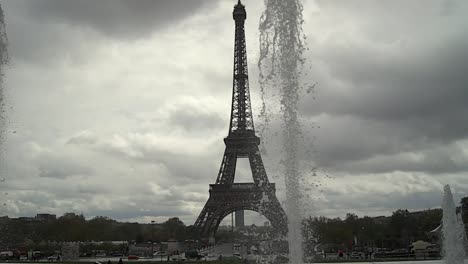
{"type": "Point", "coordinates": [280, 62]}
{"type": "Point", "coordinates": [3, 61]}
{"type": "Point", "coordinates": [453, 230]}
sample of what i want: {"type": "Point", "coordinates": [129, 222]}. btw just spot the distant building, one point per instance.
{"type": "Point", "coordinates": [26, 219]}
{"type": "Point", "coordinates": [140, 249]}
{"type": "Point", "coordinates": [239, 218]}
{"type": "Point", "coordinates": [173, 247]}
{"type": "Point", "coordinates": [46, 217]}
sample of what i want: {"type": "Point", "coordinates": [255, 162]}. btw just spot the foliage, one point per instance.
{"type": "Point", "coordinates": [29, 233]}
{"type": "Point", "coordinates": [396, 231]}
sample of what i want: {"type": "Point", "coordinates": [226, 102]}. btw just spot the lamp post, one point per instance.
{"type": "Point", "coordinates": [152, 239]}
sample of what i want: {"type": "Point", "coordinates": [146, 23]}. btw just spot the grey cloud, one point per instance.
{"type": "Point", "coordinates": [380, 194]}
{"type": "Point", "coordinates": [117, 18]}
{"type": "Point", "coordinates": [52, 166]}
{"type": "Point", "coordinates": [83, 138]}
{"type": "Point", "coordinates": [195, 121]}
{"type": "Point", "coordinates": [380, 204]}
{"type": "Point", "coordinates": [408, 86]}
{"type": "Point", "coordinates": [154, 209]}
{"type": "Point", "coordinates": [43, 43]}
{"type": "Point", "coordinates": [383, 95]}
{"type": "Point", "coordinates": [184, 166]}
{"type": "Point", "coordinates": [347, 139]}
{"type": "Point", "coordinates": [47, 31]}
{"type": "Point", "coordinates": [435, 160]}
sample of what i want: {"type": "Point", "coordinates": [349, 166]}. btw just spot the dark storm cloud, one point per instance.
{"type": "Point", "coordinates": [38, 41]}
{"type": "Point", "coordinates": [47, 31]}
{"type": "Point", "coordinates": [435, 160]}
{"type": "Point", "coordinates": [356, 146]}
{"type": "Point", "coordinates": [428, 83]}
{"type": "Point", "coordinates": [392, 89]}
{"type": "Point", "coordinates": [116, 18]}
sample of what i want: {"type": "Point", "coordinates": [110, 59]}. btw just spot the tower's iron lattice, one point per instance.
{"type": "Point", "coordinates": [225, 195]}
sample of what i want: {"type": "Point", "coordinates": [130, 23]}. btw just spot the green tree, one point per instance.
{"type": "Point", "coordinates": [174, 228]}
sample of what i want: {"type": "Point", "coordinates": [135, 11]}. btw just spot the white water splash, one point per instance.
{"type": "Point", "coordinates": [4, 59]}
{"type": "Point", "coordinates": [281, 49]}
{"type": "Point", "coordinates": [453, 231]}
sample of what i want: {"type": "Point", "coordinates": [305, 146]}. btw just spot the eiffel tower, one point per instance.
{"type": "Point", "coordinates": [226, 196]}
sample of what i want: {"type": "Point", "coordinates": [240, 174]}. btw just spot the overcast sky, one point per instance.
{"type": "Point", "coordinates": [119, 107]}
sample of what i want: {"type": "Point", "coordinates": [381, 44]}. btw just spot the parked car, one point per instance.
{"type": "Point", "coordinates": [5, 255]}
{"type": "Point", "coordinates": [133, 257]}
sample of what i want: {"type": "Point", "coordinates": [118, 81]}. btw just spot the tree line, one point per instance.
{"type": "Point", "coordinates": [395, 231]}
{"type": "Point", "coordinates": [73, 227]}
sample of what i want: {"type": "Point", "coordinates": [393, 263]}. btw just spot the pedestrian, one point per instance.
{"type": "Point", "coordinates": [340, 253]}
{"type": "Point", "coordinates": [120, 261]}
{"type": "Point", "coordinates": [109, 262]}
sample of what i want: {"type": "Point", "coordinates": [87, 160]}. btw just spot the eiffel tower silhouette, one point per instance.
{"type": "Point", "coordinates": [226, 196]}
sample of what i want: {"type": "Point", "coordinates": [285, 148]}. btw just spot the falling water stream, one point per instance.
{"type": "Point", "coordinates": [453, 231]}
{"type": "Point", "coordinates": [3, 62]}
{"type": "Point", "coordinates": [280, 62]}
{"type": "Point", "coordinates": [3, 119]}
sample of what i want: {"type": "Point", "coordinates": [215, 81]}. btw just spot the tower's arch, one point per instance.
{"type": "Point", "coordinates": [226, 199]}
